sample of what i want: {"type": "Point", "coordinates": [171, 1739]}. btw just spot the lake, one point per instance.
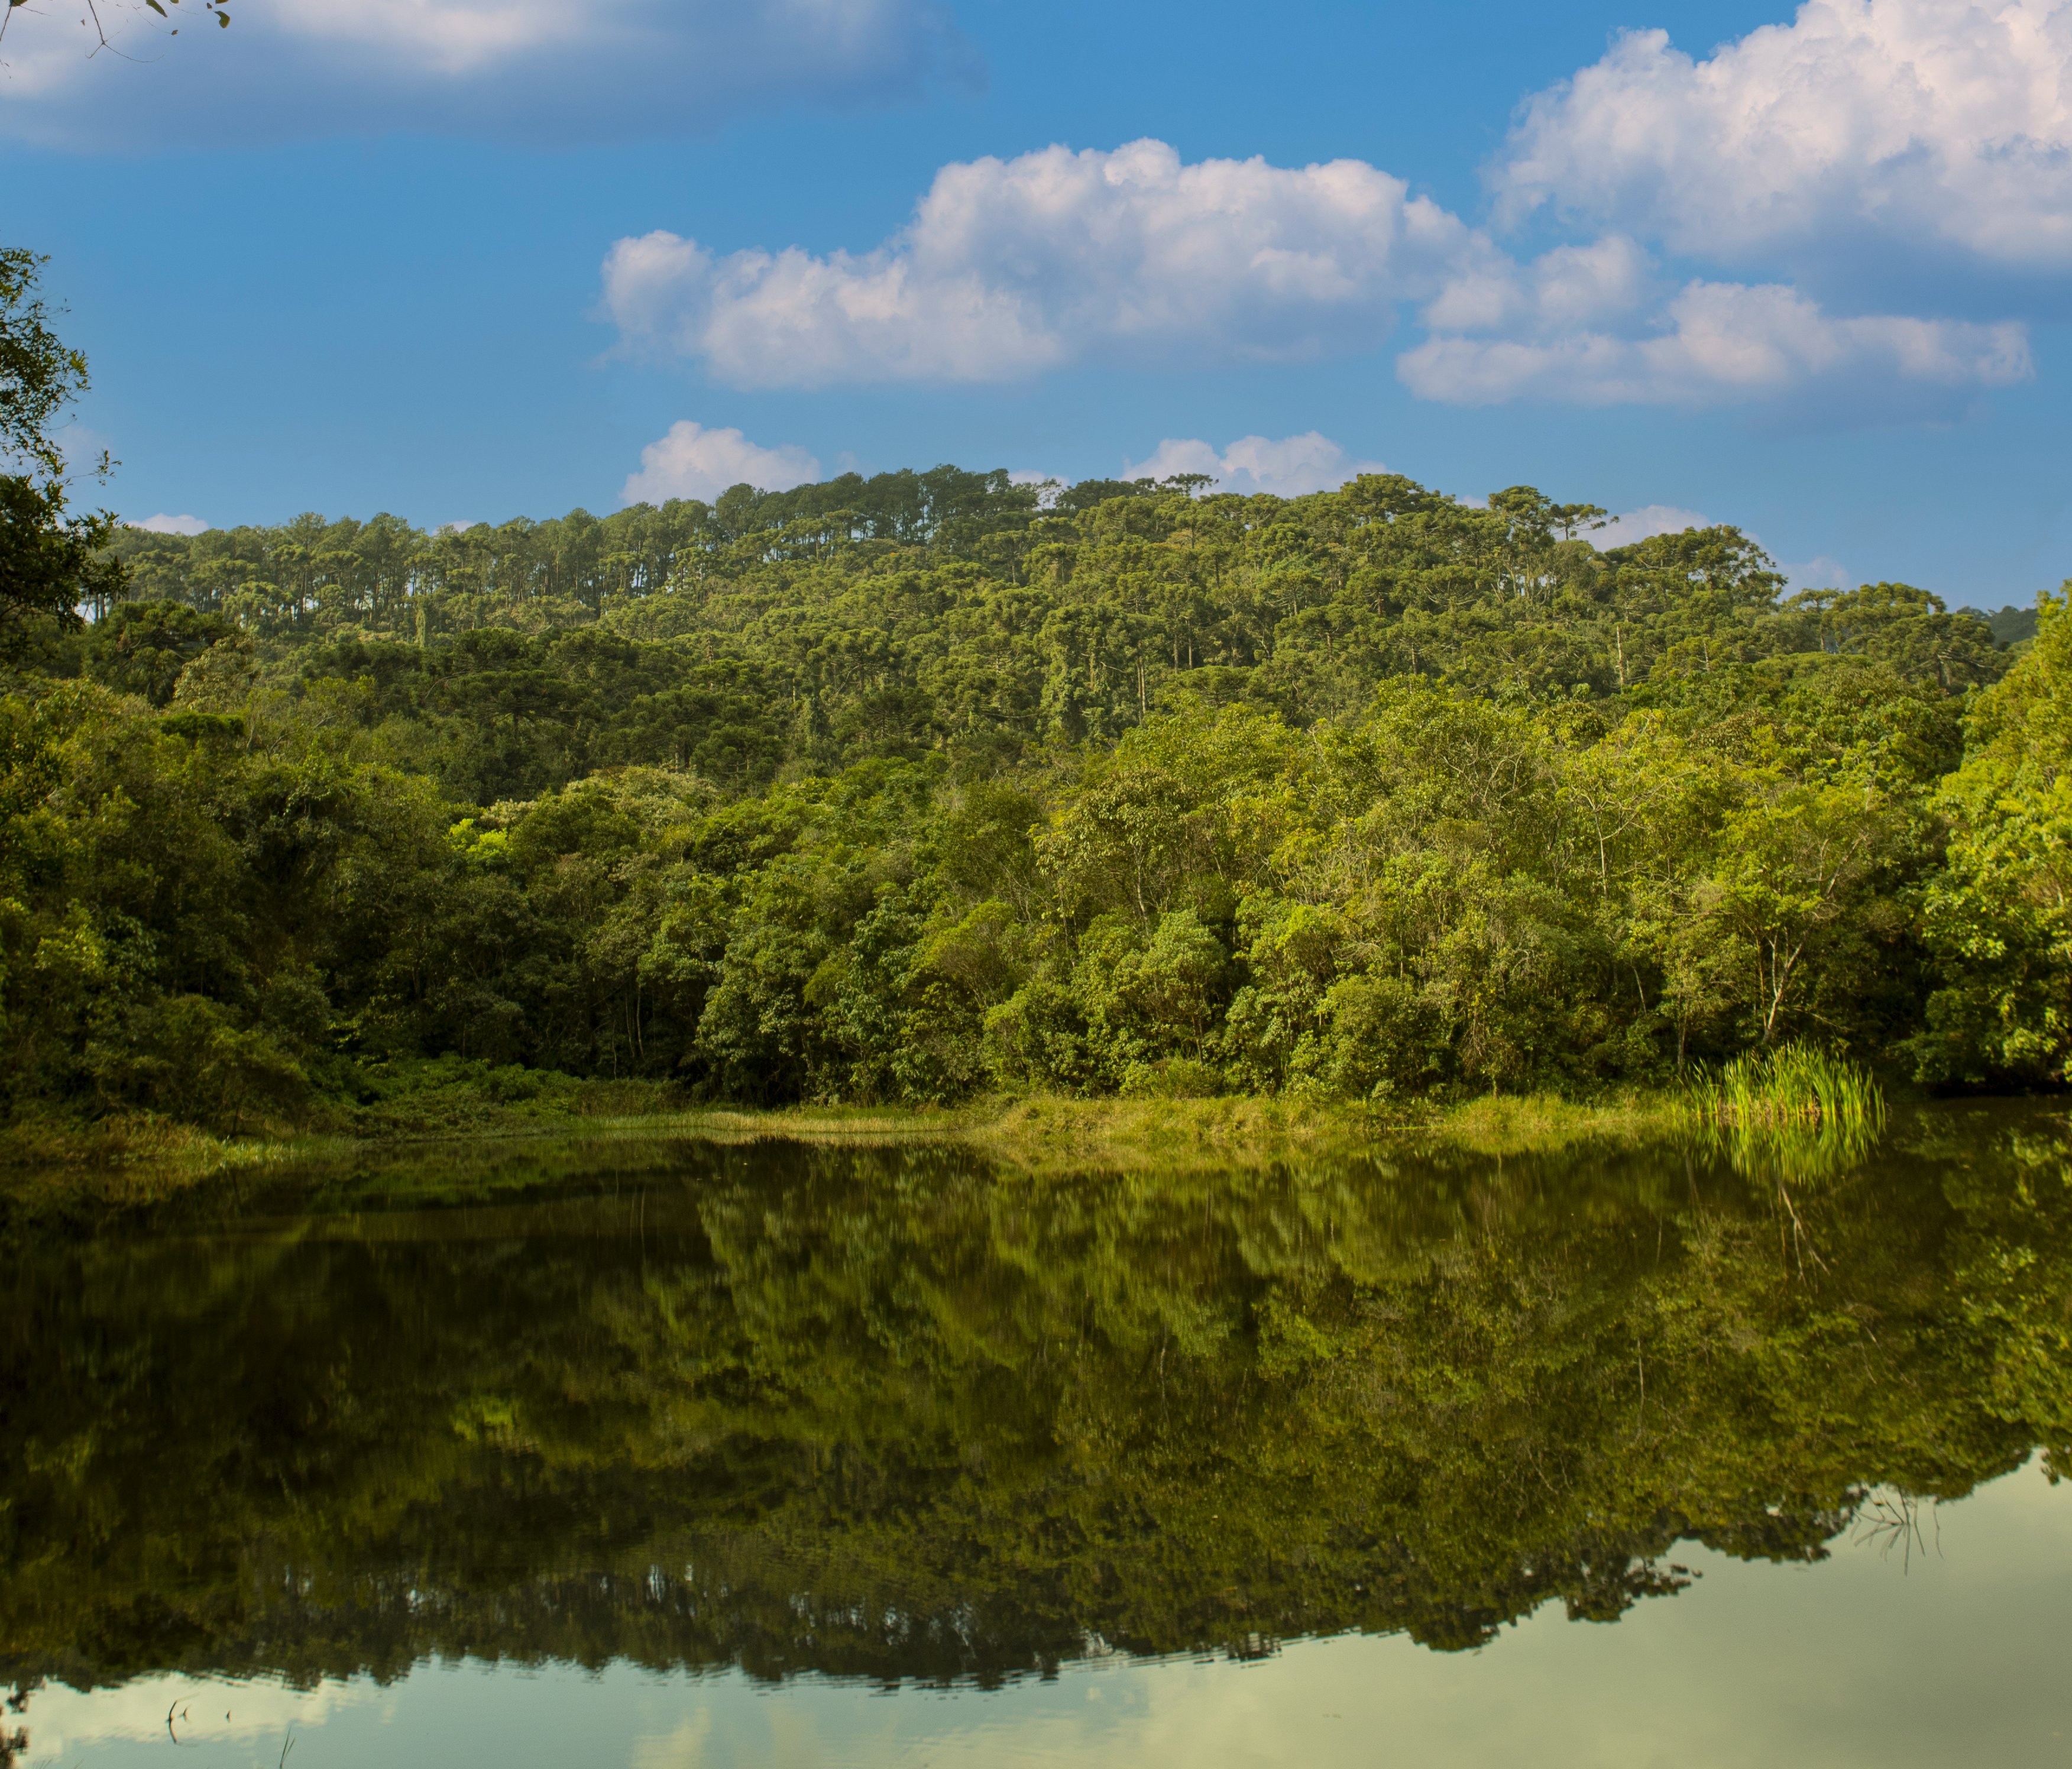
{"type": "Point", "coordinates": [681, 1453]}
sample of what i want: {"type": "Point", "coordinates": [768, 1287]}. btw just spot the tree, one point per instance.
{"type": "Point", "coordinates": [1907, 628]}
{"type": "Point", "coordinates": [211, 9]}
{"type": "Point", "coordinates": [1794, 859]}
{"type": "Point", "coordinates": [49, 560]}
{"type": "Point", "coordinates": [1999, 920]}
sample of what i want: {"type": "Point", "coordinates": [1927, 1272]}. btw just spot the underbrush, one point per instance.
{"type": "Point", "coordinates": [136, 1157]}
{"type": "Point", "coordinates": [457, 1096]}
{"type": "Point", "coordinates": [139, 1156]}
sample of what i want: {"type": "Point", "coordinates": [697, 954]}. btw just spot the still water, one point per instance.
{"type": "Point", "coordinates": [691, 1454]}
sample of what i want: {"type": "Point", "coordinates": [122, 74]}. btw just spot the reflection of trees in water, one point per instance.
{"type": "Point", "coordinates": [887, 1414]}
{"type": "Point", "coordinates": [15, 1738]}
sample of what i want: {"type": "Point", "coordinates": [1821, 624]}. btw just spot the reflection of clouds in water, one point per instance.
{"type": "Point", "coordinates": [217, 1711]}
{"type": "Point", "coordinates": [685, 1744]}
{"type": "Point", "coordinates": [1758, 1665]}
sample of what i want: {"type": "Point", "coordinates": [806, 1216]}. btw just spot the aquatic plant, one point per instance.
{"type": "Point", "coordinates": [1787, 1085]}
{"type": "Point", "coordinates": [1794, 1113]}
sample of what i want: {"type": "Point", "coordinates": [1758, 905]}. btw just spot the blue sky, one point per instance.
{"type": "Point", "coordinates": [1807, 272]}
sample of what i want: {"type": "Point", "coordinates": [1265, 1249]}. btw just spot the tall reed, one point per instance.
{"type": "Point", "coordinates": [1795, 1114]}
{"type": "Point", "coordinates": [1794, 1084]}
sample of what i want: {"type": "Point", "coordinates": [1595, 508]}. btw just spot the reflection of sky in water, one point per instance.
{"type": "Point", "coordinates": [1953, 1655]}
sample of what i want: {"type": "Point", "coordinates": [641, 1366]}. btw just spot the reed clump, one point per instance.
{"type": "Point", "coordinates": [1795, 1114]}
{"type": "Point", "coordinates": [1789, 1085]}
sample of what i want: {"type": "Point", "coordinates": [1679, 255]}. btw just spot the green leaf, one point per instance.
{"type": "Point", "coordinates": [153, 4]}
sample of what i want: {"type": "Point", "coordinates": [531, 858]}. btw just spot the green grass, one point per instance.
{"type": "Point", "coordinates": [1797, 1113]}
{"type": "Point", "coordinates": [1795, 1106]}
{"type": "Point", "coordinates": [137, 1160]}
{"type": "Point", "coordinates": [1050, 1133]}
{"type": "Point", "coordinates": [1794, 1084]}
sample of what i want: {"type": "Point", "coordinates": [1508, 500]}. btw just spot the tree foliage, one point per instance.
{"type": "Point", "coordinates": [50, 561]}
{"type": "Point", "coordinates": [899, 789]}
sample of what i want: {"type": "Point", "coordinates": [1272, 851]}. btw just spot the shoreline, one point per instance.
{"type": "Point", "coordinates": [142, 1159]}
{"type": "Point", "coordinates": [138, 1160]}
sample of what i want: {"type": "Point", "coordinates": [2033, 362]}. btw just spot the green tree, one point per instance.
{"type": "Point", "coordinates": [50, 561]}
{"type": "Point", "coordinates": [1999, 918]}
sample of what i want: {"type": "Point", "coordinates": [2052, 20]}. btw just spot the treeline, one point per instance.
{"type": "Point", "coordinates": [404, 581]}
{"type": "Point", "coordinates": [771, 635]}
{"type": "Point", "coordinates": [1366, 794]}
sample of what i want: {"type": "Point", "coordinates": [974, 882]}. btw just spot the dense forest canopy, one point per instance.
{"type": "Point", "coordinates": [905, 787]}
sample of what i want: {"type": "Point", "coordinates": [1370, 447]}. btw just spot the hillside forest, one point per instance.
{"type": "Point", "coordinates": [908, 789]}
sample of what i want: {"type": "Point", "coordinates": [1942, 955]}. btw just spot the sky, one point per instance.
{"type": "Point", "coordinates": [1806, 272]}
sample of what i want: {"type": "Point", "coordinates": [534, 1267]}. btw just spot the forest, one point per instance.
{"type": "Point", "coordinates": [933, 785]}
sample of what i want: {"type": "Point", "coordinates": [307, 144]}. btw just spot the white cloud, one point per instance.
{"type": "Point", "coordinates": [526, 70]}
{"type": "Point", "coordinates": [1926, 122]}
{"type": "Point", "coordinates": [164, 524]}
{"type": "Point", "coordinates": [1134, 259]}
{"type": "Point", "coordinates": [693, 461]}
{"type": "Point", "coordinates": [1821, 574]}
{"type": "Point", "coordinates": [1010, 267]}
{"type": "Point", "coordinates": [1050, 485]}
{"type": "Point", "coordinates": [82, 448]}
{"type": "Point", "coordinates": [1725, 343]}
{"type": "Point", "coordinates": [1571, 285]}
{"type": "Point", "coordinates": [1663, 519]}
{"type": "Point", "coordinates": [1650, 519]}
{"type": "Point", "coordinates": [1287, 468]}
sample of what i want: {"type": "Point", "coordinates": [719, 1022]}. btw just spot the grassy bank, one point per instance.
{"type": "Point", "coordinates": [134, 1157]}
{"type": "Point", "coordinates": [127, 1160]}
{"type": "Point", "coordinates": [1791, 1096]}
{"type": "Point", "coordinates": [138, 1159]}
{"type": "Point", "coordinates": [1048, 1133]}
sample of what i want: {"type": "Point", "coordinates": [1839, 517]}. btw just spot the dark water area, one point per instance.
{"type": "Point", "coordinates": [680, 1452]}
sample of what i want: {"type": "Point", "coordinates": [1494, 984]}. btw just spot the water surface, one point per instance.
{"type": "Point", "coordinates": [686, 1453]}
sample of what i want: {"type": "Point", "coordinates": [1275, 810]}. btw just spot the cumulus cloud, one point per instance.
{"type": "Point", "coordinates": [1641, 524]}
{"type": "Point", "coordinates": [164, 524]}
{"type": "Point", "coordinates": [524, 70]}
{"type": "Point", "coordinates": [1662, 518]}
{"type": "Point", "coordinates": [693, 461]}
{"type": "Point", "coordinates": [1010, 267]}
{"type": "Point", "coordinates": [1050, 486]}
{"type": "Point", "coordinates": [1931, 122]}
{"type": "Point", "coordinates": [1848, 147]}
{"type": "Point", "coordinates": [1821, 574]}
{"type": "Point", "coordinates": [1725, 343]}
{"type": "Point", "coordinates": [1569, 286]}
{"type": "Point", "coordinates": [1287, 468]}
{"type": "Point", "coordinates": [1134, 259]}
